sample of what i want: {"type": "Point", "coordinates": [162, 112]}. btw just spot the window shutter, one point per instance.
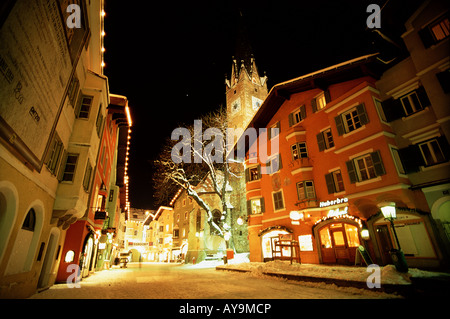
{"type": "Point", "coordinates": [411, 158]}
{"type": "Point", "coordinates": [249, 207]}
{"type": "Point", "coordinates": [392, 109]}
{"type": "Point", "coordinates": [291, 119]}
{"type": "Point", "coordinates": [444, 80]}
{"type": "Point", "coordinates": [443, 143]}
{"type": "Point", "coordinates": [362, 114]}
{"type": "Point", "coordinates": [280, 165]}
{"type": "Point", "coordinates": [327, 96]}
{"type": "Point", "coordinates": [423, 97]}
{"type": "Point", "coordinates": [339, 125]}
{"type": "Point", "coordinates": [78, 107]}
{"type": "Point", "coordinates": [247, 178]}
{"type": "Point", "coordinates": [330, 183]}
{"type": "Point", "coordinates": [426, 37]}
{"type": "Point", "coordinates": [263, 205]}
{"type": "Point", "coordinates": [303, 111]}
{"type": "Point", "coordinates": [320, 141]}
{"type": "Point", "coordinates": [259, 171]}
{"type": "Point", "coordinates": [378, 163]}
{"type": "Point", "coordinates": [62, 166]}
{"type": "Point", "coordinates": [314, 105]}
{"type": "Point", "coordinates": [351, 171]}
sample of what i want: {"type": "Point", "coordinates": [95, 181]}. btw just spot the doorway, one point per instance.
{"type": "Point", "coordinates": [338, 243]}
{"type": "Point", "coordinates": [49, 259]}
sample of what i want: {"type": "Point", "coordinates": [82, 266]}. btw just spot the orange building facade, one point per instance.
{"type": "Point", "coordinates": [333, 168]}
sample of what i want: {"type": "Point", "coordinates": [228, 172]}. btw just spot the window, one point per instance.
{"type": "Point", "coordinates": [278, 202]}
{"type": "Point", "coordinates": [297, 116]}
{"type": "Point", "coordinates": [273, 131]}
{"type": "Point", "coordinates": [411, 103]}
{"type": "Point", "coordinates": [305, 189]}
{"type": "Point", "coordinates": [70, 167]}
{"type": "Point", "coordinates": [319, 102]}
{"type": "Point", "coordinates": [351, 120]}
{"type": "Point", "coordinates": [85, 106]}
{"type": "Point", "coordinates": [325, 140]}
{"type": "Point", "coordinates": [299, 150]}
{"type": "Point", "coordinates": [335, 183]}
{"type": "Point", "coordinates": [432, 152]}
{"type": "Point", "coordinates": [365, 167]}
{"type": "Point", "coordinates": [253, 173]}
{"type": "Point", "coordinates": [274, 164]}
{"type": "Point", "coordinates": [441, 29]}
{"type": "Point", "coordinates": [176, 233]}
{"type": "Point", "coordinates": [435, 32]}
{"type": "Point", "coordinates": [30, 220]}
{"type": "Point", "coordinates": [255, 206]}
{"type": "Point", "coordinates": [54, 154]}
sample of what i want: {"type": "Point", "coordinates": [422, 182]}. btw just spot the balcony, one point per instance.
{"type": "Point", "coordinates": [300, 165]}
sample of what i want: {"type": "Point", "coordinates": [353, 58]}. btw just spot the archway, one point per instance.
{"type": "Point", "coordinates": [8, 213]}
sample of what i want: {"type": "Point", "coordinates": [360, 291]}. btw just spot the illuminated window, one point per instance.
{"type": "Point", "coordinates": [255, 206]}
{"type": "Point", "coordinates": [70, 255]}
{"type": "Point", "coordinates": [325, 238]}
{"type": "Point", "coordinates": [352, 235]}
{"type": "Point", "coordinates": [299, 150]}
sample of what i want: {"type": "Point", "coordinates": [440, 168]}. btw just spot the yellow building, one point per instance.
{"type": "Point", "coordinates": [51, 100]}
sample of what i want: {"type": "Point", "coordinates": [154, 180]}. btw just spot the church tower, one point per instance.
{"type": "Point", "coordinates": [246, 89]}
{"type": "Point", "coordinates": [245, 92]}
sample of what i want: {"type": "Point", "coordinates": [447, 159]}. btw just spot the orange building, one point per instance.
{"type": "Point", "coordinates": [333, 169]}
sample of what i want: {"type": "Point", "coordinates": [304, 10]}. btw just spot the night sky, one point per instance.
{"type": "Point", "coordinates": [170, 59]}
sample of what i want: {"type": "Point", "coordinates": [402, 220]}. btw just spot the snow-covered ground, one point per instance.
{"type": "Point", "coordinates": [389, 275]}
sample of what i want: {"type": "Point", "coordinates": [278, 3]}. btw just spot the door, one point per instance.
{"type": "Point", "coordinates": [339, 243]}
{"type": "Point", "coordinates": [326, 246]}
{"type": "Point", "coordinates": [384, 239]}
{"type": "Point", "coordinates": [48, 261]}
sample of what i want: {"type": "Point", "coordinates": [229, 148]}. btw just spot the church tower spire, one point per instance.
{"type": "Point", "coordinates": [246, 89]}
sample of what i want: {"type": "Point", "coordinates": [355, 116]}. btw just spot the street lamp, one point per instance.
{"type": "Point", "coordinates": [390, 213]}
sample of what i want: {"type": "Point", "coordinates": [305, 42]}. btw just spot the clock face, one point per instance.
{"type": "Point", "coordinates": [236, 105]}
{"type": "Point", "coordinates": [256, 103]}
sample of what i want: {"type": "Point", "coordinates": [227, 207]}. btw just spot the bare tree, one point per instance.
{"type": "Point", "coordinates": [194, 153]}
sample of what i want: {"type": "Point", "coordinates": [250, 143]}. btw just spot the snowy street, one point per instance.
{"type": "Point", "coordinates": [174, 281]}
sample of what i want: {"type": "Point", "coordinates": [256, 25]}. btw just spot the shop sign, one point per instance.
{"type": "Point", "coordinates": [305, 243]}
{"type": "Point", "coordinates": [337, 212]}
{"type": "Point", "coordinates": [333, 202]}
{"type": "Point", "coordinates": [137, 244]}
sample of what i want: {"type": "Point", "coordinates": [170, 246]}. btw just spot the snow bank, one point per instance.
{"type": "Point", "coordinates": [389, 275]}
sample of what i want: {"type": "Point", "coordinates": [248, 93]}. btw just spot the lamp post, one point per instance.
{"type": "Point", "coordinates": [390, 213]}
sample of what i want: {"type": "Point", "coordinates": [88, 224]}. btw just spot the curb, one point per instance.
{"type": "Point", "coordinates": [404, 290]}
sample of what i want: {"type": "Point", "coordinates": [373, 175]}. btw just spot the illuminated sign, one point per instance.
{"type": "Point", "coordinates": [334, 202]}
{"type": "Point", "coordinates": [337, 212]}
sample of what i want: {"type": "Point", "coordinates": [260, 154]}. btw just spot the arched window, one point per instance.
{"type": "Point", "coordinates": [216, 219]}
{"type": "Point", "coordinates": [30, 220]}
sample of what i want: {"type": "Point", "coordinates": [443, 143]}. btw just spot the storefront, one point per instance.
{"type": "Point", "coordinates": [414, 233]}
{"type": "Point", "coordinates": [269, 237]}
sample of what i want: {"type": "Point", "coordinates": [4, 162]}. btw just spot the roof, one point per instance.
{"type": "Point", "coordinates": [321, 79]}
